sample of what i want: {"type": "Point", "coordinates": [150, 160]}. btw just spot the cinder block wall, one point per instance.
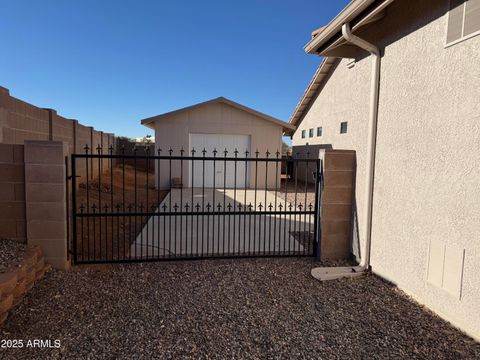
{"type": "Point", "coordinates": [32, 197]}
{"type": "Point", "coordinates": [45, 190]}
{"type": "Point", "coordinates": [96, 149]}
{"type": "Point", "coordinates": [20, 121]}
{"type": "Point", "coordinates": [12, 192]}
{"type": "Point", "coordinates": [63, 130]}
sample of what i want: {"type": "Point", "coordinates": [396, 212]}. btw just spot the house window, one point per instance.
{"type": "Point", "coordinates": [463, 20]}
{"type": "Point", "coordinates": [319, 131]}
{"type": "Point", "coordinates": [310, 132]}
{"type": "Point", "coordinates": [304, 134]}
{"type": "Point", "coordinates": [343, 127]}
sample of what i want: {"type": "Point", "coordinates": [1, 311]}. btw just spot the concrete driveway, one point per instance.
{"type": "Point", "coordinates": [231, 234]}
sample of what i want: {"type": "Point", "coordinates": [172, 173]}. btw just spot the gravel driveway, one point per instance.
{"type": "Point", "coordinates": [262, 308]}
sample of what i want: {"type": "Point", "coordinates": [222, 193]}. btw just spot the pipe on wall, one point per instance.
{"type": "Point", "coordinates": [337, 272]}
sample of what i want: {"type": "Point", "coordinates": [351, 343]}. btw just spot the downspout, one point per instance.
{"type": "Point", "coordinates": [337, 272]}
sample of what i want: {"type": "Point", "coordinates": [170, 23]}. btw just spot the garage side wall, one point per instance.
{"type": "Point", "coordinates": [219, 118]}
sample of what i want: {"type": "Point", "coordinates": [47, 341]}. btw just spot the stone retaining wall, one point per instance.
{"type": "Point", "coordinates": [16, 282]}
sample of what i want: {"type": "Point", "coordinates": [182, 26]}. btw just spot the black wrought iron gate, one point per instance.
{"type": "Point", "coordinates": [142, 207]}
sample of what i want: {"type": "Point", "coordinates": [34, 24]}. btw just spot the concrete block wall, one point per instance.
{"type": "Point", "coordinates": [45, 199]}
{"type": "Point", "coordinates": [33, 197]}
{"type": "Point", "coordinates": [12, 192]}
{"type": "Point", "coordinates": [33, 188]}
{"type": "Point", "coordinates": [63, 130]}
{"type": "Point", "coordinates": [20, 121]}
{"type": "Point", "coordinates": [337, 203]}
{"type": "Point", "coordinates": [96, 144]}
{"type": "Point", "coordinates": [105, 145]}
{"type": "Point", "coordinates": [83, 137]}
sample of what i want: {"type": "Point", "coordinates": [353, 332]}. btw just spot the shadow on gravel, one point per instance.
{"type": "Point", "coordinates": [260, 308]}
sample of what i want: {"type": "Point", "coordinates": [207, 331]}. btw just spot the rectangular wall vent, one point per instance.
{"type": "Point", "coordinates": [445, 267]}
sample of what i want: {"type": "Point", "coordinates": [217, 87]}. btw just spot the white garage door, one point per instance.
{"type": "Point", "coordinates": [221, 176]}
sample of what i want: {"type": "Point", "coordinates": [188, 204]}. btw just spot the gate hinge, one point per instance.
{"type": "Point", "coordinates": [317, 175]}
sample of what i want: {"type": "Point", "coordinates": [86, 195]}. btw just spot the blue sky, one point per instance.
{"type": "Point", "coordinates": [111, 63]}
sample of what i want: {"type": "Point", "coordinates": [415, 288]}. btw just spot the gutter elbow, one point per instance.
{"type": "Point", "coordinates": [349, 37]}
{"type": "Point", "coordinates": [347, 32]}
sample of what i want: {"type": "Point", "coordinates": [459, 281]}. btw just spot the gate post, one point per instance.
{"type": "Point", "coordinates": [337, 203]}
{"type": "Point", "coordinates": [45, 199]}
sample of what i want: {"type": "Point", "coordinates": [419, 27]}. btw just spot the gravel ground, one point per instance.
{"type": "Point", "coordinates": [261, 308]}
{"type": "Point", "coordinates": [11, 253]}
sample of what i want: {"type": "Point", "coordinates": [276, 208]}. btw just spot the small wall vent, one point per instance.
{"type": "Point", "coordinates": [445, 267]}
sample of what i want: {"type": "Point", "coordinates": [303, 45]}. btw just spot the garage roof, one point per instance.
{"type": "Point", "coordinates": [288, 128]}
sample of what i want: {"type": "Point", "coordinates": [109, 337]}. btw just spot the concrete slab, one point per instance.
{"type": "Point", "coordinates": [218, 235]}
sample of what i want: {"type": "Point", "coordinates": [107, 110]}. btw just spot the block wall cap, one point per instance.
{"type": "Point", "coordinates": [50, 110]}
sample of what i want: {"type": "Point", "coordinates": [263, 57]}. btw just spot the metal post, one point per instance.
{"type": "Point", "coordinates": [317, 218]}
{"type": "Point", "coordinates": [67, 205]}
{"type": "Point", "coordinates": [74, 209]}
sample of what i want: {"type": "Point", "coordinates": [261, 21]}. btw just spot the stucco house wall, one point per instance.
{"type": "Point", "coordinates": [427, 172]}
{"type": "Point", "coordinates": [173, 132]}
{"type": "Point", "coordinates": [344, 97]}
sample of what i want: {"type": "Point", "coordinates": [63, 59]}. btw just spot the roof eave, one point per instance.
{"type": "Point", "coordinates": [313, 88]}
{"type": "Point", "coordinates": [347, 14]}
{"type": "Point", "coordinates": [357, 12]}
{"type": "Point", "coordinates": [285, 125]}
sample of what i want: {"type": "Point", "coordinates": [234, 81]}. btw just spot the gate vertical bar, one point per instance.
{"type": "Point", "coordinates": [110, 150]}
{"type": "Point", "coordinates": [147, 159]}
{"type": "Point", "coordinates": [67, 206]}
{"type": "Point", "coordinates": [99, 149]}
{"type": "Point", "coordinates": [317, 216]}
{"type": "Point", "coordinates": [305, 207]}
{"type": "Point", "coordinates": [181, 200]}
{"type": "Point", "coordinates": [158, 204]}
{"type": "Point", "coordinates": [74, 209]}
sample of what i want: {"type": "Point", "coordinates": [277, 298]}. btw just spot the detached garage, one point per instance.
{"type": "Point", "coordinates": [219, 124]}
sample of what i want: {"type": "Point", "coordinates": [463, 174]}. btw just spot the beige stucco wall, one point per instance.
{"type": "Point", "coordinates": [344, 98]}
{"type": "Point", "coordinates": [218, 118]}
{"type": "Point", "coordinates": [427, 173]}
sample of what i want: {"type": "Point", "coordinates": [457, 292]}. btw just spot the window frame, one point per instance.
{"type": "Point", "coordinates": [346, 127]}
{"type": "Point", "coordinates": [311, 132]}
{"type": "Point", "coordinates": [462, 38]}
{"type": "Point", "coordinates": [303, 134]}
{"type": "Point", "coordinates": [321, 131]}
